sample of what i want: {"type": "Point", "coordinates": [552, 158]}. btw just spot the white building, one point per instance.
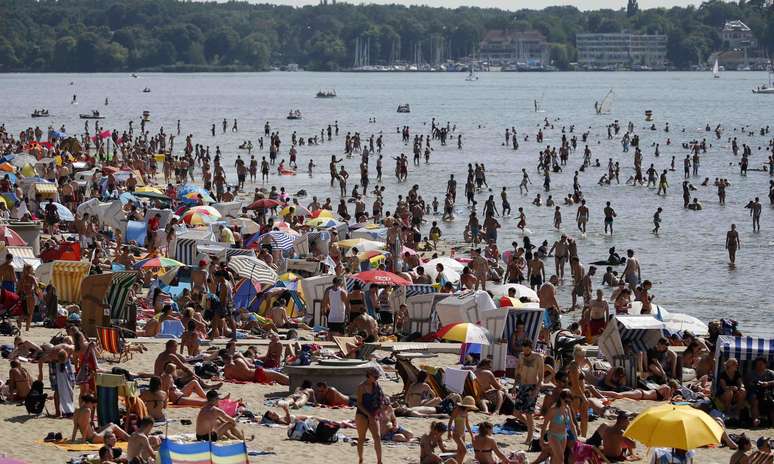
{"type": "Point", "coordinates": [621, 50]}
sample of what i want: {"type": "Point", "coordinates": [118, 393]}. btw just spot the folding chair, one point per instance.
{"type": "Point", "coordinates": [111, 340]}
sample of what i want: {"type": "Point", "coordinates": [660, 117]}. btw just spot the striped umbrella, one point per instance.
{"type": "Point", "coordinates": [276, 238]}
{"type": "Point", "coordinates": [194, 197]}
{"type": "Point", "coordinates": [249, 267]}
{"type": "Point", "coordinates": [322, 223]}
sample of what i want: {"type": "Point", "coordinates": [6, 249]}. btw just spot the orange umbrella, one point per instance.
{"type": "Point", "coordinates": [7, 167]}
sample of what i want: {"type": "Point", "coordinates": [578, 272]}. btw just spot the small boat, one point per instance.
{"type": "Point", "coordinates": [94, 115]}
{"type": "Point", "coordinates": [146, 115]}
{"type": "Point", "coordinates": [648, 115]}
{"type": "Point", "coordinates": [765, 89]}
{"type": "Point", "coordinates": [716, 70]}
{"type": "Point", "coordinates": [146, 90]}
{"type": "Point", "coordinates": [326, 94]}
{"type": "Point", "coordinates": [39, 114]}
{"type": "Point", "coordinates": [294, 114]}
{"type": "Point", "coordinates": [404, 108]}
{"type": "Point", "coordinates": [472, 76]}
{"type": "Point", "coordinates": [134, 75]}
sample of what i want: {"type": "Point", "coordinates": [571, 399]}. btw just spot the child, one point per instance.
{"type": "Point", "coordinates": [429, 441]}
{"type": "Point", "coordinates": [435, 234]}
{"type": "Point", "coordinates": [459, 417]}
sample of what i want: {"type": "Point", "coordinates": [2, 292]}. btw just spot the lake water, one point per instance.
{"type": "Point", "coordinates": [687, 262]}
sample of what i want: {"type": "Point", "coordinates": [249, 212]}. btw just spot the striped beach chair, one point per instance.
{"type": "Point", "coordinates": [111, 341]}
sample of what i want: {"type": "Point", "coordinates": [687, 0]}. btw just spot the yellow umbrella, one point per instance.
{"type": "Point", "coordinates": [149, 189]}
{"type": "Point", "coordinates": [290, 277]}
{"type": "Point", "coordinates": [28, 171]}
{"type": "Point", "coordinates": [672, 426]}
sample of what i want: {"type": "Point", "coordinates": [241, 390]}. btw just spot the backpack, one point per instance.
{"type": "Point", "coordinates": [36, 399]}
{"type": "Point", "coordinates": [326, 432]}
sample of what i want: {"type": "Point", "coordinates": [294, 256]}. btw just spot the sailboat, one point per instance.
{"type": "Point", "coordinates": [716, 70]}
{"type": "Point", "coordinates": [606, 105]}
{"type": "Point", "coordinates": [765, 89]}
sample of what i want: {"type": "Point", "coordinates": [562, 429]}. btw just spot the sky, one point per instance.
{"type": "Point", "coordinates": [510, 4]}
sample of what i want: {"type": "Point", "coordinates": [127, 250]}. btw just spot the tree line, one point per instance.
{"type": "Point", "coordinates": [130, 35]}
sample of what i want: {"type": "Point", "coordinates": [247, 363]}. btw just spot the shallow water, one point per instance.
{"type": "Point", "coordinates": [687, 262]}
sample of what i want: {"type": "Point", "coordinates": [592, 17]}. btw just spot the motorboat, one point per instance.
{"type": "Point", "coordinates": [404, 108]}
{"type": "Point", "coordinates": [146, 115]}
{"type": "Point", "coordinates": [294, 114]}
{"type": "Point", "coordinates": [43, 113]}
{"type": "Point", "coordinates": [765, 89]}
{"type": "Point", "coordinates": [146, 90]}
{"type": "Point", "coordinates": [648, 115]}
{"type": "Point", "coordinates": [326, 94]}
{"type": "Point", "coordinates": [94, 115]}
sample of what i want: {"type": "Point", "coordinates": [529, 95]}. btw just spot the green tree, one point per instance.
{"type": "Point", "coordinates": [632, 8]}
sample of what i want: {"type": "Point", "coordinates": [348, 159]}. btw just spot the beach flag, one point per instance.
{"type": "Point", "coordinates": [202, 452]}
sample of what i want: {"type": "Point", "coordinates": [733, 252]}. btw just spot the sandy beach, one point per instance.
{"type": "Point", "coordinates": [20, 431]}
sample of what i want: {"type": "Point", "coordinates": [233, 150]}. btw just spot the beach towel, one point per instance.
{"type": "Point", "coordinates": [171, 328]}
{"type": "Point", "coordinates": [62, 378]}
{"type": "Point", "coordinates": [454, 379]}
{"type": "Point", "coordinates": [498, 430]}
{"type": "Point", "coordinates": [79, 447]}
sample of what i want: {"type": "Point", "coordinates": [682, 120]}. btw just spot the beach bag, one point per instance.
{"type": "Point", "coordinates": [325, 432]}
{"type": "Point", "coordinates": [36, 399]}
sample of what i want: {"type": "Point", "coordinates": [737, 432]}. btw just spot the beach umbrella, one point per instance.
{"type": "Point", "coordinates": [377, 277]}
{"type": "Point", "coordinates": [7, 167]}
{"type": "Point", "coordinates": [298, 210]}
{"type": "Point", "coordinates": [276, 238]}
{"type": "Point", "coordinates": [673, 426]}
{"type": "Point", "coordinates": [157, 262]}
{"type": "Point", "coordinates": [283, 226]}
{"type": "Point", "coordinates": [188, 188]}
{"type": "Point", "coordinates": [321, 213]}
{"type": "Point", "coordinates": [289, 277]}
{"type": "Point", "coordinates": [361, 244]}
{"type": "Point", "coordinates": [12, 178]}
{"type": "Point", "coordinates": [522, 291]}
{"type": "Point", "coordinates": [371, 254]}
{"type": "Point", "coordinates": [127, 197]}
{"type": "Point", "coordinates": [322, 223]}
{"type": "Point", "coordinates": [64, 213]}
{"type": "Point", "coordinates": [245, 292]}
{"type": "Point", "coordinates": [253, 268]}
{"type": "Point", "coordinates": [152, 196]}
{"type": "Point", "coordinates": [264, 203]}
{"type": "Point", "coordinates": [10, 237]}
{"type": "Point", "coordinates": [194, 197]}
{"type": "Point", "coordinates": [199, 215]}
{"type": "Point", "coordinates": [246, 226]}
{"type": "Point", "coordinates": [464, 332]}
{"type": "Point", "coordinates": [22, 160]}
{"type": "Point", "coordinates": [170, 275]}
{"type": "Point", "coordinates": [148, 189]}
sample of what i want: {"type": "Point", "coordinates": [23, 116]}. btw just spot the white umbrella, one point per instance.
{"type": "Point", "coordinates": [22, 160]}
{"type": "Point", "coordinates": [676, 322]}
{"type": "Point", "coordinates": [64, 213]}
{"type": "Point", "coordinates": [522, 291]}
{"type": "Point", "coordinates": [451, 275]}
{"type": "Point", "coordinates": [246, 226]}
{"type": "Point", "coordinates": [253, 268]}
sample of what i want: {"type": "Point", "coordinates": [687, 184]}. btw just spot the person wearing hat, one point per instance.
{"type": "Point", "coordinates": [459, 419]}
{"type": "Point", "coordinates": [764, 454]}
{"type": "Point", "coordinates": [212, 423]}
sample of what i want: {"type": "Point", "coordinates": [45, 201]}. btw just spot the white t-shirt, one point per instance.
{"type": "Point", "coordinates": [337, 313]}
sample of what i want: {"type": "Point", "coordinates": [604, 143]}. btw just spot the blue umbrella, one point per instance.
{"type": "Point", "coordinates": [64, 213]}
{"type": "Point", "coordinates": [127, 197]}
{"type": "Point", "coordinates": [52, 134]}
{"type": "Point", "coordinates": [11, 177]}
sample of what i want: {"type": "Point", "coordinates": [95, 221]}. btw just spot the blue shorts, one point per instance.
{"type": "Point", "coordinates": [10, 286]}
{"type": "Point", "coordinates": [391, 434]}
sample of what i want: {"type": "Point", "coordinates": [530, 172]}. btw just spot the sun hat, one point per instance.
{"type": "Point", "coordinates": [468, 402]}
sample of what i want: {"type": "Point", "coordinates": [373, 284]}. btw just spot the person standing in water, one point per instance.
{"type": "Point", "coordinates": [657, 220]}
{"type": "Point", "coordinates": [582, 216]}
{"type": "Point", "coordinates": [732, 243]}
{"type": "Point", "coordinates": [609, 215]}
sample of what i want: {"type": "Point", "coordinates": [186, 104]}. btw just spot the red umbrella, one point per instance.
{"type": "Point", "coordinates": [381, 278]}
{"type": "Point", "coordinates": [10, 237]}
{"type": "Point", "coordinates": [264, 203]}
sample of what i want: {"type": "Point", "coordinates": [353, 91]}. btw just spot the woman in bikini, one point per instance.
{"type": "Point", "coordinates": [370, 401]}
{"type": "Point", "coordinates": [459, 418]}
{"type": "Point", "coordinates": [429, 441]}
{"type": "Point", "coordinates": [183, 397]}
{"type": "Point", "coordinates": [580, 402]}
{"type": "Point", "coordinates": [484, 446]}
{"type": "Point", "coordinates": [661, 393]}
{"type": "Point", "coordinates": [558, 421]}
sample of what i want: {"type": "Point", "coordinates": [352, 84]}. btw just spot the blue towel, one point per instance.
{"type": "Point", "coordinates": [498, 430]}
